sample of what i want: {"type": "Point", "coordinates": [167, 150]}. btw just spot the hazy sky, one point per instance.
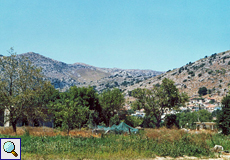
{"type": "Point", "coordinates": [129, 34]}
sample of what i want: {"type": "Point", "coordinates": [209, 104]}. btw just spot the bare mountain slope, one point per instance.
{"type": "Point", "coordinates": [212, 72]}
{"type": "Point", "coordinates": [64, 75]}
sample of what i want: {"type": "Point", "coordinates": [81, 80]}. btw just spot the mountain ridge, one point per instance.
{"type": "Point", "coordinates": [212, 72]}
{"type": "Point", "coordinates": [63, 75]}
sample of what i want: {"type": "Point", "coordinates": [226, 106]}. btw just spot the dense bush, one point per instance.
{"type": "Point", "coordinates": [202, 91]}
{"type": "Point", "coordinates": [133, 121]}
{"type": "Point", "coordinates": [171, 120]}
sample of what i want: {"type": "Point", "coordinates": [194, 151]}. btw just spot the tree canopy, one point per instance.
{"type": "Point", "coordinates": [75, 108]}
{"type": "Point", "coordinates": [157, 100]}
{"type": "Point", "coordinates": [223, 119]}
{"type": "Point", "coordinates": [202, 91]}
{"type": "Point", "coordinates": [111, 102]}
{"type": "Point", "coordinates": [23, 89]}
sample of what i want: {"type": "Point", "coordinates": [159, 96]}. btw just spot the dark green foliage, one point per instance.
{"type": "Point", "coordinates": [213, 55]}
{"type": "Point", "coordinates": [216, 113]}
{"type": "Point", "coordinates": [111, 101]}
{"type": "Point", "coordinates": [171, 120]}
{"type": "Point", "coordinates": [191, 73]}
{"type": "Point", "coordinates": [114, 120]}
{"type": "Point", "coordinates": [223, 119]}
{"type": "Point", "coordinates": [116, 84]}
{"type": "Point", "coordinates": [228, 62]}
{"type": "Point", "coordinates": [130, 93]}
{"type": "Point", "coordinates": [209, 91]}
{"type": "Point", "coordinates": [133, 121]}
{"type": "Point", "coordinates": [157, 85]}
{"type": "Point", "coordinates": [1, 116]}
{"type": "Point", "coordinates": [138, 81]}
{"type": "Point", "coordinates": [190, 63]}
{"type": "Point", "coordinates": [186, 120]}
{"type": "Point", "coordinates": [149, 122]}
{"type": "Point", "coordinates": [225, 57]}
{"type": "Point", "coordinates": [156, 100]}
{"type": "Point", "coordinates": [200, 74]}
{"type": "Point", "coordinates": [76, 107]}
{"type": "Point", "coordinates": [24, 92]}
{"type": "Point", "coordinates": [202, 65]}
{"type": "Point", "coordinates": [210, 62]}
{"type": "Point", "coordinates": [210, 71]}
{"type": "Point", "coordinates": [185, 80]}
{"type": "Point", "coordinates": [130, 111]}
{"type": "Point", "coordinates": [185, 86]}
{"type": "Point", "coordinates": [202, 91]}
{"type": "Point", "coordinates": [181, 69]}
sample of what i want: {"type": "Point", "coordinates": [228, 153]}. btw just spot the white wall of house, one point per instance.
{"type": "Point", "coordinates": [6, 115]}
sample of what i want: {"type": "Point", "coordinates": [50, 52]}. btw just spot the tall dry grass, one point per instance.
{"type": "Point", "coordinates": [45, 131]}
{"type": "Point", "coordinates": [147, 144]}
{"type": "Point", "coordinates": [165, 134]}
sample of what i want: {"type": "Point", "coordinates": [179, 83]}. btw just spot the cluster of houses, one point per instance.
{"type": "Point", "coordinates": [209, 103]}
{"type": "Point", "coordinates": [195, 104]}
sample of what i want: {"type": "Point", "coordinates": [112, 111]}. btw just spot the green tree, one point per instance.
{"type": "Point", "coordinates": [204, 116]}
{"type": "Point", "coordinates": [111, 102]}
{"type": "Point", "coordinates": [202, 91]}
{"type": "Point", "coordinates": [79, 99]}
{"type": "Point", "coordinates": [87, 97]}
{"type": "Point", "coordinates": [158, 99]}
{"type": "Point", "coordinates": [223, 119]}
{"type": "Point", "coordinates": [22, 89]}
{"type": "Point", "coordinates": [187, 120]}
{"type": "Point", "coordinates": [171, 120]}
{"type": "Point", "coordinates": [69, 114]}
{"type": "Point", "coordinates": [133, 121]}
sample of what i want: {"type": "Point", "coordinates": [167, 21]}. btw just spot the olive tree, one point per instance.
{"type": "Point", "coordinates": [23, 90]}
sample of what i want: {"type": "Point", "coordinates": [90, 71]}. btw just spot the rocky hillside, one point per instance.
{"type": "Point", "coordinates": [212, 72]}
{"type": "Point", "coordinates": [64, 75]}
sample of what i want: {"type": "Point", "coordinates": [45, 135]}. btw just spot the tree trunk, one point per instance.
{"type": "Point", "coordinates": [158, 123]}
{"type": "Point", "coordinates": [68, 131]}
{"type": "Point", "coordinates": [14, 123]}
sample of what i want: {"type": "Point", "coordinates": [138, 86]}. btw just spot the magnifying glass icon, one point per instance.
{"type": "Point", "coordinates": [9, 147]}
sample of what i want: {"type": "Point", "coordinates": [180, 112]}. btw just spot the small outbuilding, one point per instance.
{"type": "Point", "coordinates": [205, 125]}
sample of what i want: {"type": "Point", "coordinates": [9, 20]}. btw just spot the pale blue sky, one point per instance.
{"type": "Point", "coordinates": [130, 34]}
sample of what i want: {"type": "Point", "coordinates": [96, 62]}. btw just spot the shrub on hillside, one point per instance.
{"type": "Point", "coordinates": [202, 91]}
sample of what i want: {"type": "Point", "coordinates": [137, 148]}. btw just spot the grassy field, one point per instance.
{"type": "Point", "coordinates": [46, 143]}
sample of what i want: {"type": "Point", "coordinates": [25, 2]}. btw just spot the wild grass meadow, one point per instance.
{"type": "Point", "coordinates": [45, 143]}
